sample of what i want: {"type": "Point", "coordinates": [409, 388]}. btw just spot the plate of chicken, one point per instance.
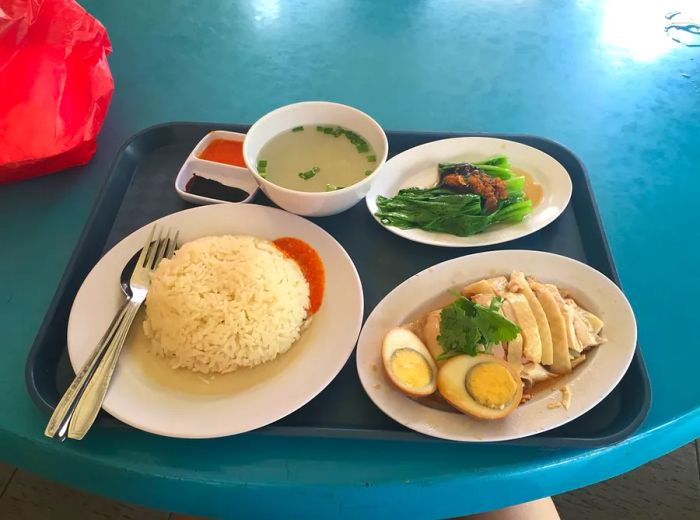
{"type": "Point", "coordinates": [496, 346]}
{"type": "Point", "coordinates": [469, 191]}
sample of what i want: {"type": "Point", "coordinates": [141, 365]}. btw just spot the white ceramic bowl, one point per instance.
{"type": "Point", "coordinates": [314, 204]}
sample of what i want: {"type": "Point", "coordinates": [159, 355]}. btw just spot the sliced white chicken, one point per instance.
{"type": "Point", "coordinates": [496, 285]}
{"type": "Point", "coordinates": [584, 326]}
{"type": "Point", "coordinates": [531, 374]}
{"type": "Point", "coordinates": [578, 360]}
{"type": "Point", "coordinates": [480, 287]}
{"type": "Point", "coordinates": [594, 320]}
{"type": "Point", "coordinates": [584, 332]}
{"type": "Point", "coordinates": [568, 313]}
{"type": "Point", "coordinates": [482, 299]}
{"type": "Point", "coordinates": [514, 347]}
{"type": "Point", "coordinates": [536, 373]}
{"type": "Point", "coordinates": [430, 333]}
{"type": "Point", "coordinates": [499, 284]}
{"type": "Point", "coordinates": [518, 278]}
{"type": "Point", "coordinates": [497, 350]}
{"type": "Point", "coordinates": [561, 360]}
{"type": "Point", "coordinates": [532, 345]}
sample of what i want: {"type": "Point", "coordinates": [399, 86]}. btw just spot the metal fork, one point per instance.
{"type": "Point", "coordinates": [78, 408]}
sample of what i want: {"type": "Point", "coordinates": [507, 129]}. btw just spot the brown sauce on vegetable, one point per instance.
{"type": "Point", "coordinates": [533, 190]}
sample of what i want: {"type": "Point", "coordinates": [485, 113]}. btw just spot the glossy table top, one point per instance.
{"type": "Point", "coordinates": [621, 94]}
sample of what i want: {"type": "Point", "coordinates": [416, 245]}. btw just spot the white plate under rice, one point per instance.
{"type": "Point", "coordinates": [225, 302]}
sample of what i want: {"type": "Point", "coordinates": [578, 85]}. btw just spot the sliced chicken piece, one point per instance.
{"type": "Point", "coordinates": [568, 313]}
{"type": "Point", "coordinates": [514, 347]}
{"type": "Point", "coordinates": [497, 350]}
{"type": "Point", "coordinates": [574, 343]}
{"type": "Point", "coordinates": [499, 284]}
{"type": "Point", "coordinates": [518, 278]}
{"type": "Point", "coordinates": [565, 396]}
{"type": "Point", "coordinates": [496, 285]}
{"type": "Point", "coordinates": [587, 325]}
{"type": "Point", "coordinates": [483, 299]}
{"type": "Point", "coordinates": [480, 287]}
{"type": "Point", "coordinates": [594, 320]}
{"type": "Point", "coordinates": [536, 373]}
{"type": "Point", "coordinates": [431, 331]}
{"type": "Point", "coordinates": [531, 374]}
{"type": "Point", "coordinates": [585, 331]}
{"type": "Point", "coordinates": [416, 327]}
{"type": "Point", "coordinates": [532, 345]}
{"type": "Point", "coordinates": [578, 360]}
{"type": "Point", "coordinates": [561, 361]}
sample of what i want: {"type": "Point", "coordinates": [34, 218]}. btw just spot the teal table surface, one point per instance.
{"type": "Point", "coordinates": [602, 78]}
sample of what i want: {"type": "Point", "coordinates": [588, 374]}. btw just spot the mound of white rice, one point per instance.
{"type": "Point", "coordinates": [225, 302]}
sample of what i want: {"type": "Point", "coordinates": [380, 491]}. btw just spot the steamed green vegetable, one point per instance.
{"type": "Point", "coordinates": [456, 212]}
{"type": "Point", "coordinates": [436, 209]}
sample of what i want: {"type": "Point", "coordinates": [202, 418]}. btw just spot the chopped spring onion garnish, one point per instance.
{"type": "Point", "coordinates": [309, 173]}
{"type": "Point", "coordinates": [298, 129]}
{"type": "Point", "coordinates": [371, 158]}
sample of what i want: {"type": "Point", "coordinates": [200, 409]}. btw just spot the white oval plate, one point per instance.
{"type": "Point", "coordinates": [317, 357]}
{"type": "Point", "coordinates": [418, 167]}
{"type": "Point", "coordinates": [427, 290]}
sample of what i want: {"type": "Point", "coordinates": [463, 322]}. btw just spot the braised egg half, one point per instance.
{"type": "Point", "coordinates": [408, 363]}
{"type": "Point", "coordinates": [483, 386]}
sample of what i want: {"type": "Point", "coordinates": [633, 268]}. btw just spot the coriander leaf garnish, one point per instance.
{"type": "Point", "coordinates": [469, 328]}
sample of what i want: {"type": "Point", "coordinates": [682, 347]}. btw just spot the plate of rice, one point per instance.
{"type": "Point", "coordinates": [235, 334]}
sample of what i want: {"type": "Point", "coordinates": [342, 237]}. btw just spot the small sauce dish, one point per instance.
{"type": "Point", "coordinates": [224, 175]}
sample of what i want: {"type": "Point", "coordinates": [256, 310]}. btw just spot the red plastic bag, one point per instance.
{"type": "Point", "coordinates": [55, 86]}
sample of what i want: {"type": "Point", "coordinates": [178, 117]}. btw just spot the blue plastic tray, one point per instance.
{"type": "Point", "coordinates": [139, 189]}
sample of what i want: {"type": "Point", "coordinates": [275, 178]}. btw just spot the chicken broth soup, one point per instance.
{"type": "Point", "coordinates": [316, 158]}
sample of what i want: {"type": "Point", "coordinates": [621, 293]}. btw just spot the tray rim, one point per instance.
{"type": "Point", "coordinates": [337, 432]}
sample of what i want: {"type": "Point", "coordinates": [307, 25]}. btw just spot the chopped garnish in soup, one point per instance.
{"type": "Point", "coordinates": [330, 158]}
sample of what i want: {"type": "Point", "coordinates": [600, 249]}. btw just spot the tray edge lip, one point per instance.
{"type": "Point", "coordinates": [80, 245]}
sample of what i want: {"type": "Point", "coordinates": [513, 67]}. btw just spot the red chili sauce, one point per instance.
{"type": "Point", "coordinates": [311, 266]}
{"type": "Point", "coordinates": [224, 151]}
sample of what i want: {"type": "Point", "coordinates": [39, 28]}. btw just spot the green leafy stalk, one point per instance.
{"type": "Point", "coordinates": [436, 209]}
{"type": "Point", "coordinates": [496, 160]}
{"type": "Point", "coordinates": [496, 171]}
{"type": "Point", "coordinates": [515, 184]}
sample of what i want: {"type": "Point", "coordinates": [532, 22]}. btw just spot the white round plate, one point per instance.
{"type": "Point", "coordinates": [427, 290]}
{"type": "Point", "coordinates": [315, 359]}
{"type": "Point", "coordinates": [418, 167]}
